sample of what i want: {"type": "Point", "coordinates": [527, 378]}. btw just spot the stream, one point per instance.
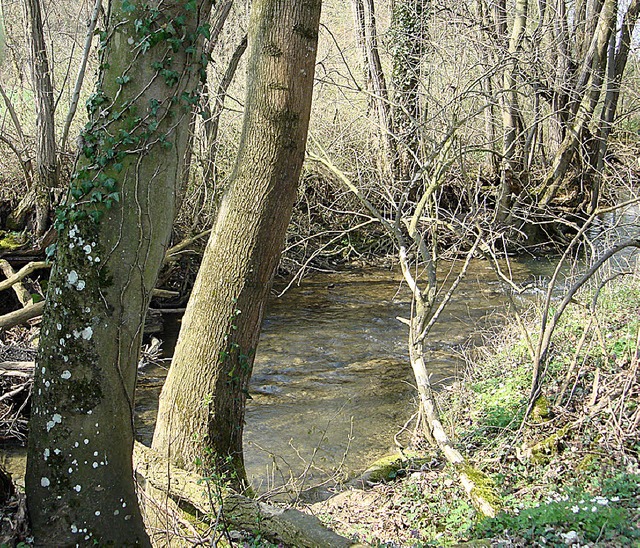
{"type": "Point", "coordinates": [332, 384]}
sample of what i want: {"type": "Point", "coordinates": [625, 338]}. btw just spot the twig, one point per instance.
{"type": "Point", "coordinates": [81, 72]}
{"type": "Point", "coordinates": [20, 274]}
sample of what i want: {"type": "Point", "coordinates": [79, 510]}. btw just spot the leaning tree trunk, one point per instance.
{"type": "Point", "coordinates": [592, 73]}
{"type": "Point", "coordinates": [46, 173]}
{"type": "Point", "coordinates": [202, 404]}
{"type": "Point", "coordinates": [113, 233]}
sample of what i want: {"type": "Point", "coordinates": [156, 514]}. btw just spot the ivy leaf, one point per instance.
{"type": "Point", "coordinates": [50, 250]}
{"type": "Point", "coordinates": [204, 30]}
{"type": "Point", "coordinates": [109, 184]}
{"type": "Point", "coordinates": [127, 6]}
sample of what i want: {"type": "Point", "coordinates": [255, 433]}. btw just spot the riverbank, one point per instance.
{"type": "Point", "coordinates": [568, 476]}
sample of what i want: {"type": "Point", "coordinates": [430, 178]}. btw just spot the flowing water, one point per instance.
{"type": "Point", "coordinates": [332, 383]}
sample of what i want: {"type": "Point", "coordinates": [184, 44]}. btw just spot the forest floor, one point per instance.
{"type": "Point", "coordinates": [568, 476]}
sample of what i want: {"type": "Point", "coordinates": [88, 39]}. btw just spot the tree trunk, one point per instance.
{"type": "Point", "coordinates": [486, 84]}
{"type": "Point", "coordinates": [564, 72]}
{"type": "Point", "coordinates": [592, 73]}
{"type": "Point", "coordinates": [113, 233]}
{"type": "Point", "coordinates": [618, 56]}
{"type": "Point", "coordinates": [46, 173]}
{"type": "Point", "coordinates": [212, 119]}
{"type": "Point", "coordinates": [408, 42]}
{"type": "Point", "coordinates": [512, 161]}
{"type": "Point", "coordinates": [201, 413]}
{"type": "Point", "coordinates": [378, 87]}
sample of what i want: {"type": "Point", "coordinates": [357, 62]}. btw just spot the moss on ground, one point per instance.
{"type": "Point", "coordinates": [10, 241]}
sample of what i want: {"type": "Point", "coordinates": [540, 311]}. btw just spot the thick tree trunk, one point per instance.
{"type": "Point", "coordinates": [46, 175]}
{"type": "Point", "coordinates": [113, 234]}
{"type": "Point", "coordinates": [201, 413]}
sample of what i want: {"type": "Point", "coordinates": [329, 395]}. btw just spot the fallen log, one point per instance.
{"type": "Point", "coordinates": [289, 526]}
{"type": "Point", "coordinates": [21, 316]}
{"type": "Point", "coordinates": [34, 310]}
{"type": "Point", "coordinates": [164, 294]}
{"type": "Point", "coordinates": [19, 369]}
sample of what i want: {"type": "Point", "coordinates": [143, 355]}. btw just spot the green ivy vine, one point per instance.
{"type": "Point", "coordinates": [119, 126]}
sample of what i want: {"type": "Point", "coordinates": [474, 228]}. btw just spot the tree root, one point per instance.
{"type": "Point", "coordinates": [290, 526]}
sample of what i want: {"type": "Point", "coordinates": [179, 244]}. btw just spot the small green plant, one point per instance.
{"type": "Point", "coordinates": [565, 519]}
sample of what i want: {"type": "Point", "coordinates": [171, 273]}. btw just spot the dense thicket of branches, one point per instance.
{"type": "Point", "coordinates": [529, 94]}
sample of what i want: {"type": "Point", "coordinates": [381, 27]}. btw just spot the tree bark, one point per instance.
{"type": "Point", "coordinates": [408, 43]}
{"type": "Point", "coordinates": [512, 159]}
{"type": "Point", "coordinates": [592, 73]}
{"type": "Point", "coordinates": [113, 233]}
{"type": "Point", "coordinates": [201, 413]}
{"type": "Point", "coordinates": [46, 175]}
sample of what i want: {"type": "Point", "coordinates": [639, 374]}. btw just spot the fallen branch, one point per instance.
{"type": "Point", "coordinates": [20, 369]}
{"type": "Point", "coordinates": [290, 526]}
{"type": "Point", "coordinates": [23, 295]}
{"type": "Point", "coordinates": [164, 294]}
{"type": "Point", "coordinates": [34, 310]}
{"type": "Point", "coordinates": [14, 278]}
{"type": "Point", "coordinates": [173, 252]}
{"type": "Point", "coordinates": [21, 316]}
